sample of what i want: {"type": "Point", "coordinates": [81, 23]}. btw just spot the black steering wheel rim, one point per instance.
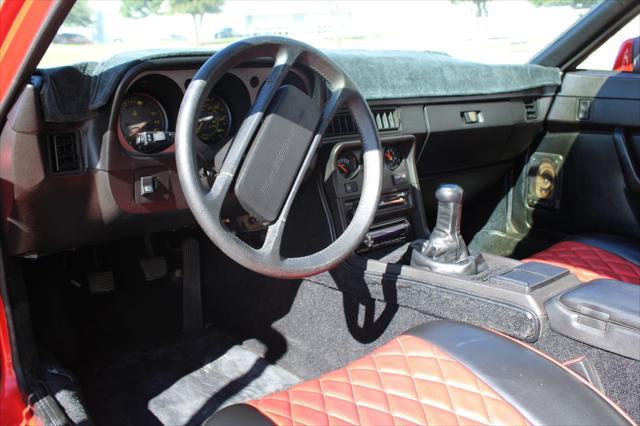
{"type": "Point", "coordinates": [206, 204]}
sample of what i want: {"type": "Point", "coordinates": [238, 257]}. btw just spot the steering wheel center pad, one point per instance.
{"type": "Point", "coordinates": [276, 155]}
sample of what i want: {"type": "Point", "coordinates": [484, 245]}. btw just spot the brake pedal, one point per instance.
{"type": "Point", "coordinates": [154, 268]}
{"type": "Point", "coordinates": [101, 282]}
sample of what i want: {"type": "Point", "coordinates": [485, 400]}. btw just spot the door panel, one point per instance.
{"type": "Point", "coordinates": [593, 129]}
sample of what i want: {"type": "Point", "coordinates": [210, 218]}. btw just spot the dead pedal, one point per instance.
{"type": "Point", "coordinates": [154, 268]}
{"type": "Point", "coordinates": [101, 282]}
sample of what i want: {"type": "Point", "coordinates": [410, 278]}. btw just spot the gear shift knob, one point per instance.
{"type": "Point", "coordinates": [449, 193]}
{"type": "Point", "coordinates": [446, 241]}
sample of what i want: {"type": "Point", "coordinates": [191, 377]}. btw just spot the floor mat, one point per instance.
{"type": "Point", "coordinates": [181, 384]}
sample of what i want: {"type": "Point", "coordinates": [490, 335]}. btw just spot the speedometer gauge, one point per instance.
{"type": "Point", "coordinates": [141, 113]}
{"type": "Point", "coordinates": [214, 122]}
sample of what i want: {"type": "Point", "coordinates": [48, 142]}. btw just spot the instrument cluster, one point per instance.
{"type": "Point", "coordinates": [148, 112]}
{"type": "Point", "coordinates": [144, 123]}
{"type": "Point", "coordinates": [147, 117]}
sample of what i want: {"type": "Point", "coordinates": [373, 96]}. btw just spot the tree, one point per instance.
{"type": "Point", "coordinates": [481, 6]}
{"type": "Point", "coordinates": [578, 4]}
{"type": "Point", "coordinates": [196, 8]}
{"type": "Point", "coordinates": [80, 15]}
{"type": "Point", "coordinates": [137, 9]}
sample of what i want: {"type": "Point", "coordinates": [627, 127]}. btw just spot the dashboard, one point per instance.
{"type": "Point", "coordinates": [113, 174]}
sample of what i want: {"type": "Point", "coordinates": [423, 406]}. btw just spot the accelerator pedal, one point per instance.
{"type": "Point", "coordinates": [191, 285]}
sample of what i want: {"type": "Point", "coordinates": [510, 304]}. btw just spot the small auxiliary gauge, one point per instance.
{"type": "Point", "coordinates": [347, 164]}
{"type": "Point", "coordinates": [392, 158]}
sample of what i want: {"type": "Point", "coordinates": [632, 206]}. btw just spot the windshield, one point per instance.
{"type": "Point", "coordinates": [486, 31]}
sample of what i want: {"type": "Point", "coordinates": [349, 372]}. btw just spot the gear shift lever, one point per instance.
{"type": "Point", "coordinates": [445, 251]}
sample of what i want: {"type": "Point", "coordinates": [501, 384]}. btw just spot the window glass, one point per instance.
{"type": "Point", "coordinates": [489, 31]}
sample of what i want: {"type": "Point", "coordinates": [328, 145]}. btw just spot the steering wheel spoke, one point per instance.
{"type": "Point", "coordinates": [273, 241]}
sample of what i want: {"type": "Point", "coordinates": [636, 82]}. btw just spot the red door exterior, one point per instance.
{"type": "Point", "coordinates": [20, 21]}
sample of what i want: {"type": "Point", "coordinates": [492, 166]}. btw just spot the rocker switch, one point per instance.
{"type": "Point", "coordinates": [148, 185]}
{"type": "Point", "coordinates": [584, 109]}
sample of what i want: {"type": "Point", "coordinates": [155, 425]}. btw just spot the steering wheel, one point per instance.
{"type": "Point", "coordinates": [272, 151]}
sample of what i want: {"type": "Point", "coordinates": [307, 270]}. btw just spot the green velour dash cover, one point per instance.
{"type": "Point", "coordinates": [378, 75]}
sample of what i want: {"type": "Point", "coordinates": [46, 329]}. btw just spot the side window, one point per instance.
{"type": "Point", "coordinates": [604, 57]}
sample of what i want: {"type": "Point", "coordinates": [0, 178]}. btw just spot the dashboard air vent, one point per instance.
{"type": "Point", "coordinates": [386, 119]}
{"type": "Point", "coordinates": [341, 125]}
{"type": "Point", "coordinates": [63, 151]}
{"type": "Point", "coordinates": [530, 110]}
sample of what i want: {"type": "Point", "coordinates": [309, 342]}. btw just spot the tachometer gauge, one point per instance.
{"type": "Point", "coordinates": [392, 158]}
{"type": "Point", "coordinates": [141, 113]}
{"type": "Point", "coordinates": [348, 164]}
{"type": "Point", "coordinates": [214, 122]}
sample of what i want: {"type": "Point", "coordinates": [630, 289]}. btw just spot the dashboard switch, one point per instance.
{"type": "Point", "coordinates": [351, 187]}
{"type": "Point", "coordinates": [148, 185]}
{"type": "Point", "coordinates": [584, 109]}
{"type": "Point", "coordinates": [399, 179]}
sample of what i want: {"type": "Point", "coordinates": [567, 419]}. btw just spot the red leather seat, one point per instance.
{"type": "Point", "coordinates": [439, 373]}
{"type": "Point", "coordinates": [595, 256]}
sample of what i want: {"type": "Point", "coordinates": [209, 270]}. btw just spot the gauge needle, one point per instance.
{"type": "Point", "coordinates": [206, 118]}
{"type": "Point", "coordinates": [135, 128]}
{"type": "Point", "coordinates": [343, 168]}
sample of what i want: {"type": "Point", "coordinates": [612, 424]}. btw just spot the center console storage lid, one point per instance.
{"type": "Point", "coordinates": [602, 313]}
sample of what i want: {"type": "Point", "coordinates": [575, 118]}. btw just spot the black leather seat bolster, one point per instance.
{"type": "Point", "coordinates": [239, 414]}
{"type": "Point", "coordinates": [622, 247]}
{"type": "Point", "coordinates": [544, 392]}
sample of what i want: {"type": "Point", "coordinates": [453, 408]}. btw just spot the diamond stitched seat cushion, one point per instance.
{"type": "Point", "coordinates": [438, 373]}
{"type": "Point", "coordinates": [407, 381]}
{"type": "Point", "coordinates": [588, 262]}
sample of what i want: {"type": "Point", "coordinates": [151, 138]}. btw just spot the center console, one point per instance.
{"type": "Point", "coordinates": [400, 217]}
{"type": "Point", "coordinates": [399, 261]}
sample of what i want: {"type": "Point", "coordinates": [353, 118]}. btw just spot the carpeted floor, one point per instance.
{"type": "Point", "coordinates": [180, 384]}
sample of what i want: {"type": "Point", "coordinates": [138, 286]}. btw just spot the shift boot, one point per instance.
{"type": "Point", "coordinates": [445, 251]}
